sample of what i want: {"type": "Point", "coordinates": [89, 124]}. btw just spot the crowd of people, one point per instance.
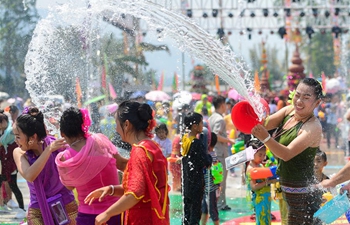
{"type": "Point", "coordinates": [73, 176]}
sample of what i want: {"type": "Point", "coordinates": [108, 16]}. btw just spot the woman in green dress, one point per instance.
{"type": "Point", "coordinates": [295, 142]}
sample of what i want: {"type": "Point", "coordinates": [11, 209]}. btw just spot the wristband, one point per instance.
{"type": "Point", "coordinates": [266, 139]}
{"type": "Point", "coordinates": [112, 193]}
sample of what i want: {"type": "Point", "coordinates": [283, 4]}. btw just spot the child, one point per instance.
{"type": "Point", "coordinates": [194, 160]}
{"type": "Point", "coordinates": [320, 162]}
{"type": "Point", "coordinates": [260, 189]}
{"type": "Point", "coordinates": [211, 188]}
{"type": "Point", "coordinates": [162, 140]}
{"type": "Point", "coordinates": [174, 164]}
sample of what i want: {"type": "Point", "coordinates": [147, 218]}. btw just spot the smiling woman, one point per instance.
{"type": "Point", "coordinates": [295, 142]}
{"type": "Point", "coordinates": [35, 160]}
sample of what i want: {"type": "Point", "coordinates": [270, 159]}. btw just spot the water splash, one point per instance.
{"type": "Point", "coordinates": [57, 48]}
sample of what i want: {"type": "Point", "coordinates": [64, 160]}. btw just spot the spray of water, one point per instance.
{"type": "Point", "coordinates": [56, 50]}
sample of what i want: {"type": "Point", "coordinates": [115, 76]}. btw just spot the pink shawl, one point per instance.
{"type": "Point", "coordinates": [80, 167]}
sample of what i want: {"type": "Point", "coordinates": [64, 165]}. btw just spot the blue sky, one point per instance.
{"type": "Point", "coordinates": [170, 63]}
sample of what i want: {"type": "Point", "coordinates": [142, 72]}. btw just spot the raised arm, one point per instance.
{"type": "Point", "coordinates": [309, 136]}
{"type": "Point", "coordinates": [31, 172]}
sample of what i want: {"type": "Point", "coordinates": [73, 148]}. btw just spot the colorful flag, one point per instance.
{"type": "Point", "coordinates": [112, 91]}
{"type": "Point", "coordinates": [78, 92]}
{"type": "Point", "coordinates": [217, 83]}
{"type": "Point", "coordinates": [256, 82]}
{"type": "Point", "coordinates": [323, 76]}
{"type": "Point", "coordinates": [175, 83]}
{"type": "Point", "coordinates": [104, 79]}
{"type": "Point", "coordinates": [161, 81]}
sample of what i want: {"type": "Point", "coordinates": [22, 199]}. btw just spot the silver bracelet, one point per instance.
{"type": "Point", "coordinates": [266, 139]}
{"type": "Point", "coordinates": [112, 193]}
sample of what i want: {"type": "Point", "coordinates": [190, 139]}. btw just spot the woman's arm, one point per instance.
{"type": "Point", "coordinates": [340, 177]}
{"type": "Point", "coordinates": [121, 162]}
{"type": "Point", "coordinates": [273, 121]}
{"type": "Point", "coordinates": [123, 204]}
{"type": "Point", "coordinates": [100, 193]}
{"type": "Point", "coordinates": [309, 136]}
{"type": "Point", "coordinates": [31, 172]}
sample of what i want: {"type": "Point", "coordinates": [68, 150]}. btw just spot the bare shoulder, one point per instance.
{"type": "Point", "coordinates": [314, 124]}
{"type": "Point", "coordinates": [313, 131]}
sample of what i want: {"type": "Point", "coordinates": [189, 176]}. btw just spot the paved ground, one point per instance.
{"type": "Point", "coordinates": [234, 188]}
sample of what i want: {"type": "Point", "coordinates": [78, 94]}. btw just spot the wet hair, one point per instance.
{"type": "Point", "coordinates": [139, 115]}
{"type": "Point", "coordinates": [192, 118]}
{"type": "Point", "coordinates": [213, 140]}
{"type": "Point", "coordinates": [218, 101]}
{"type": "Point", "coordinates": [71, 121]}
{"type": "Point", "coordinates": [3, 116]}
{"type": "Point", "coordinates": [321, 154]}
{"type": "Point", "coordinates": [311, 82]}
{"type": "Point", "coordinates": [255, 143]}
{"type": "Point", "coordinates": [162, 126]}
{"type": "Point", "coordinates": [32, 122]}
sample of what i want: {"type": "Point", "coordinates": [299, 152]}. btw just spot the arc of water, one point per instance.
{"type": "Point", "coordinates": [187, 34]}
{"type": "Point", "coordinates": [193, 39]}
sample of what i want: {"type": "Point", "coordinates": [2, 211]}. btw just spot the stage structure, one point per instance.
{"type": "Point", "coordinates": [254, 16]}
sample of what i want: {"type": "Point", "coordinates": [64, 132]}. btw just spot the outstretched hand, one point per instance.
{"type": "Point", "coordinates": [97, 194]}
{"type": "Point", "coordinates": [327, 183]}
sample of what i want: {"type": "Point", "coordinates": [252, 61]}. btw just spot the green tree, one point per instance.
{"type": "Point", "coordinates": [320, 54]}
{"type": "Point", "coordinates": [17, 22]}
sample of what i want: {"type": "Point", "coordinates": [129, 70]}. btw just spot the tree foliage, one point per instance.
{"type": "Point", "coordinates": [17, 22]}
{"type": "Point", "coordinates": [320, 54]}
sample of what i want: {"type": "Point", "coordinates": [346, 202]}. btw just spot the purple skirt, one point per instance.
{"type": "Point", "coordinates": [89, 219]}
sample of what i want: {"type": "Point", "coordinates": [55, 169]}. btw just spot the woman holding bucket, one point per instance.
{"type": "Point", "coordinates": [295, 142]}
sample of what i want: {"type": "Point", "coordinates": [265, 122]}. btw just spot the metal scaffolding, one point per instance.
{"type": "Point", "coordinates": [257, 15]}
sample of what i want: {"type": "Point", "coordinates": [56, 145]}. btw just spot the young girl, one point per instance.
{"type": "Point", "coordinates": [35, 160]}
{"type": "Point", "coordinates": [161, 138]}
{"type": "Point", "coordinates": [260, 189]}
{"type": "Point", "coordinates": [144, 193]}
{"type": "Point", "coordinates": [90, 162]}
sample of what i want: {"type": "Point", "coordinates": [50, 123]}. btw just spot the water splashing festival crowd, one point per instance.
{"type": "Point", "coordinates": [78, 176]}
{"type": "Point", "coordinates": [76, 172]}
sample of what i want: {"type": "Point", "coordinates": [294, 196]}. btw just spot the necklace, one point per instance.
{"type": "Point", "coordinates": [76, 141]}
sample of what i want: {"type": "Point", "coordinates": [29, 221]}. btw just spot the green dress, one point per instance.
{"type": "Point", "coordinates": [298, 172]}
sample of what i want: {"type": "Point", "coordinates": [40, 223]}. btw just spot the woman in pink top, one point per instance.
{"type": "Point", "coordinates": [88, 163]}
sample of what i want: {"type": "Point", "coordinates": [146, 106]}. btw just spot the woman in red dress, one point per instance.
{"type": "Point", "coordinates": [145, 185]}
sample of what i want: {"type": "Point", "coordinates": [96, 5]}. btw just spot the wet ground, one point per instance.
{"type": "Point", "coordinates": [235, 192]}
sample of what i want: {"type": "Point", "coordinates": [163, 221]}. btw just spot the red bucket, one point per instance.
{"type": "Point", "coordinates": [244, 118]}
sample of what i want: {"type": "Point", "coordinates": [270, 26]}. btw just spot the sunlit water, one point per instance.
{"type": "Point", "coordinates": [65, 46]}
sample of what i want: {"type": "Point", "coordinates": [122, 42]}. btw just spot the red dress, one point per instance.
{"type": "Point", "coordinates": [8, 165]}
{"type": "Point", "coordinates": [147, 180]}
